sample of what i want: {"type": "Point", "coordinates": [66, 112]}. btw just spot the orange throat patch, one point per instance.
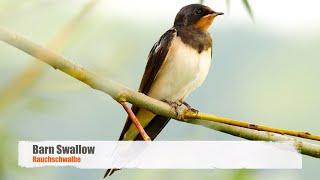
{"type": "Point", "coordinates": [205, 22]}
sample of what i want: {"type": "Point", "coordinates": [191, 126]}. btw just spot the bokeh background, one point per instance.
{"type": "Point", "coordinates": [264, 70]}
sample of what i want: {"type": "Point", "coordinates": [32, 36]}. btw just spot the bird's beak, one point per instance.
{"type": "Point", "coordinates": [214, 14]}
{"type": "Point", "coordinates": [217, 14]}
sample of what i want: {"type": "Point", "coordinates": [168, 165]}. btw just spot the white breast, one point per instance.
{"type": "Point", "coordinates": [183, 71]}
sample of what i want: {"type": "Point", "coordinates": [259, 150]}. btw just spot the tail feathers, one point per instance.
{"type": "Point", "coordinates": [152, 129]}
{"type": "Point", "coordinates": [109, 172]}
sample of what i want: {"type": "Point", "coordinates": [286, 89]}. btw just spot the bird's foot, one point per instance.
{"type": "Point", "coordinates": [180, 108]}
{"type": "Point", "coordinates": [177, 106]}
{"type": "Point", "coordinates": [189, 107]}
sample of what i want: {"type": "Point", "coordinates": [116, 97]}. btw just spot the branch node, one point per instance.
{"type": "Point", "coordinates": [307, 133]}
{"type": "Point", "coordinates": [121, 97]}
{"type": "Point", "coordinates": [189, 114]}
{"type": "Point", "coordinates": [252, 126]}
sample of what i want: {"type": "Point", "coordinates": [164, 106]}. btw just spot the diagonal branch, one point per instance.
{"type": "Point", "coordinates": [122, 94]}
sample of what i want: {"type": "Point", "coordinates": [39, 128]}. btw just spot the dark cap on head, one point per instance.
{"type": "Point", "coordinates": [196, 15]}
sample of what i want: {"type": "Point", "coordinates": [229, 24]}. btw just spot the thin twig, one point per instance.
{"type": "Point", "coordinates": [135, 121]}
{"type": "Point", "coordinates": [122, 94]}
{"type": "Point", "coordinates": [244, 124]}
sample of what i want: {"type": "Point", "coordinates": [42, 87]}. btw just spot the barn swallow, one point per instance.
{"type": "Point", "coordinates": [177, 65]}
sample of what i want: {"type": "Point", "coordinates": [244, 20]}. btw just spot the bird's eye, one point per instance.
{"type": "Point", "coordinates": [199, 11]}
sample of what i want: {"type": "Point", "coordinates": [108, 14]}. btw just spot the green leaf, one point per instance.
{"type": "Point", "coordinates": [248, 8]}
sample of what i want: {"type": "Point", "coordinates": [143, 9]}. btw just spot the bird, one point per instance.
{"type": "Point", "coordinates": [178, 63]}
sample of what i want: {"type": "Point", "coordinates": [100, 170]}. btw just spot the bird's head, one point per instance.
{"type": "Point", "coordinates": [196, 15]}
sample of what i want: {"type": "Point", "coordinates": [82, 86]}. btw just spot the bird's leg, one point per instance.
{"type": "Point", "coordinates": [135, 121]}
{"type": "Point", "coordinates": [173, 103]}
{"type": "Point", "coordinates": [189, 107]}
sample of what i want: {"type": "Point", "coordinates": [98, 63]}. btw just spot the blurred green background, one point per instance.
{"type": "Point", "coordinates": [266, 71]}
